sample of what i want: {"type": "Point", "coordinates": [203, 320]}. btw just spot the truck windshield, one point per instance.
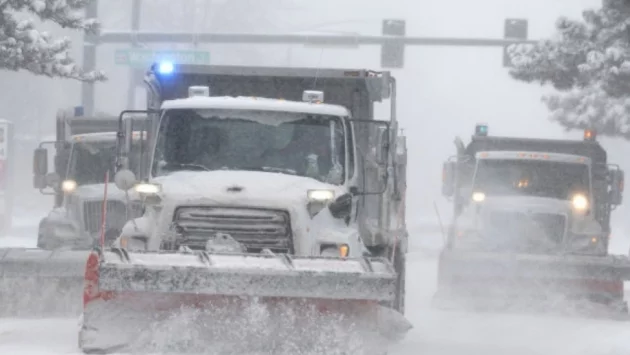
{"type": "Point", "coordinates": [552, 179]}
{"type": "Point", "coordinates": [90, 160]}
{"type": "Point", "coordinates": [281, 142]}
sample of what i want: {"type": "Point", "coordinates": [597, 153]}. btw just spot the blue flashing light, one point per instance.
{"type": "Point", "coordinates": [166, 67]}
{"type": "Point", "coordinates": [481, 130]}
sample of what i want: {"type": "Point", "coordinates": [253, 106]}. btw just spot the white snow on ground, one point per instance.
{"type": "Point", "coordinates": [12, 241]}
{"type": "Point", "coordinates": [22, 235]}
{"type": "Point", "coordinates": [435, 332]}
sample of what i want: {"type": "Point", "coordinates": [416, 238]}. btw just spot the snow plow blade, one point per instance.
{"type": "Point", "coordinates": [39, 283]}
{"type": "Point", "coordinates": [136, 301]}
{"type": "Point", "coordinates": [567, 283]}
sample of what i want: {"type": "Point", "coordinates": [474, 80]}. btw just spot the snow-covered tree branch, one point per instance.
{"type": "Point", "coordinates": [589, 62]}
{"type": "Point", "coordinates": [23, 47]}
{"type": "Point", "coordinates": [591, 107]}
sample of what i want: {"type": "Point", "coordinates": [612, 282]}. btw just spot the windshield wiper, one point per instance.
{"type": "Point", "coordinates": [272, 170]}
{"type": "Point", "coordinates": [186, 165]}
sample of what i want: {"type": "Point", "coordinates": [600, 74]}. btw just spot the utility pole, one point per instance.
{"type": "Point", "coordinates": [393, 42]}
{"type": "Point", "coordinates": [135, 75]}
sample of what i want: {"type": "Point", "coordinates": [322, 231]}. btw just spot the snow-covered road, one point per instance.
{"type": "Point", "coordinates": [435, 332]}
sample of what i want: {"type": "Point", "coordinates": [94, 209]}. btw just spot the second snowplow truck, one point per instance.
{"type": "Point", "coordinates": [269, 189]}
{"type": "Point", "coordinates": [48, 281]}
{"type": "Point", "coordinates": [532, 223]}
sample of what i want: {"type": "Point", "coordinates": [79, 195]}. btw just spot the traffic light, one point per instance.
{"type": "Point", "coordinates": [513, 29]}
{"type": "Point", "coordinates": [393, 50]}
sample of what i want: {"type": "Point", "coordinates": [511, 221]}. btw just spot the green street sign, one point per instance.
{"type": "Point", "coordinates": [144, 57]}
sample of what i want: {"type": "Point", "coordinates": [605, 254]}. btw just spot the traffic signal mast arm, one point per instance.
{"type": "Point", "coordinates": [392, 41]}
{"type": "Point", "coordinates": [251, 38]}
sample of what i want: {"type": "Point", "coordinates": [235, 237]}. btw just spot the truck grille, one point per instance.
{"type": "Point", "coordinates": [116, 214]}
{"type": "Point", "coordinates": [256, 229]}
{"type": "Point", "coordinates": [520, 225]}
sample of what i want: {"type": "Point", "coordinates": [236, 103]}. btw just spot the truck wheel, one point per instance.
{"type": "Point", "coordinates": [400, 266]}
{"type": "Point", "coordinates": [40, 242]}
{"type": "Point", "coordinates": [40, 234]}
{"type": "Point", "coordinates": [43, 244]}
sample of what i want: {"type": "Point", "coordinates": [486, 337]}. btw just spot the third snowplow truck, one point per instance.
{"type": "Point", "coordinates": [531, 223]}
{"type": "Point", "coordinates": [268, 190]}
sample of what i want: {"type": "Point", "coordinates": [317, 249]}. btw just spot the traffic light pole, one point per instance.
{"type": "Point", "coordinates": [330, 40]}
{"type": "Point", "coordinates": [393, 41]}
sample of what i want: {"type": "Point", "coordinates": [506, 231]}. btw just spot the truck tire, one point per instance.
{"type": "Point", "coordinates": [400, 265]}
{"type": "Point", "coordinates": [41, 244]}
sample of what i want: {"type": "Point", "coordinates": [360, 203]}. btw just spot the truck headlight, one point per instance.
{"type": "Point", "coordinates": [478, 196]}
{"type": "Point", "coordinates": [579, 202]}
{"type": "Point", "coordinates": [317, 200]}
{"type": "Point", "coordinates": [320, 195]}
{"type": "Point", "coordinates": [147, 188]}
{"type": "Point", "coordinates": [68, 186]}
{"type": "Point", "coordinates": [588, 243]}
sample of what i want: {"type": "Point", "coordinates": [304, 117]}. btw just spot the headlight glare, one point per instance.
{"type": "Point", "coordinates": [478, 196]}
{"type": "Point", "coordinates": [579, 202]}
{"type": "Point", "coordinates": [147, 189]}
{"type": "Point", "coordinates": [320, 195]}
{"type": "Point", "coordinates": [68, 186]}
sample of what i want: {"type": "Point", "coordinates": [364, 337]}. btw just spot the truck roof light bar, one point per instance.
{"type": "Point", "coordinates": [313, 96]}
{"type": "Point", "coordinates": [166, 67]}
{"type": "Point", "coordinates": [481, 130]}
{"type": "Point", "coordinates": [79, 111]}
{"type": "Point", "coordinates": [196, 91]}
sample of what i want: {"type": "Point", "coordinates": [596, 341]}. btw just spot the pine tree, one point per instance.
{"type": "Point", "coordinates": [23, 47]}
{"type": "Point", "coordinates": [588, 61]}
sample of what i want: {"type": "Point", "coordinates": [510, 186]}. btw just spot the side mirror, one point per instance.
{"type": "Point", "coordinates": [616, 187]}
{"type": "Point", "coordinates": [40, 168]}
{"type": "Point", "coordinates": [125, 179]}
{"type": "Point", "coordinates": [341, 207]}
{"type": "Point", "coordinates": [449, 170]}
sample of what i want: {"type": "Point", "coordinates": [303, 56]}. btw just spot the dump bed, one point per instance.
{"type": "Point", "coordinates": [69, 124]}
{"type": "Point", "coordinates": [355, 89]}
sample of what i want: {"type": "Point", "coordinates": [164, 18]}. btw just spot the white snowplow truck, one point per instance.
{"type": "Point", "coordinates": [274, 216]}
{"type": "Point", "coordinates": [531, 226]}
{"type": "Point", "coordinates": [85, 150]}
{"type": "Point", "coordinates": [49, 281]}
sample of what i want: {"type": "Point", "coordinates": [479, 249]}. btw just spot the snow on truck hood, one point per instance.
{"type": "Point", "coordinates": [254, 104]}
{"type": "Point", "coordinates": [97, 191]}
{"type": "Point", "coordinates": [252, 188]}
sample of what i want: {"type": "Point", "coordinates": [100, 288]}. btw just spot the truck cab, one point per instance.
{"type": "Point", "coordinates": [536, 196]}
{"type": "Point", "coordinates": [86, 148]}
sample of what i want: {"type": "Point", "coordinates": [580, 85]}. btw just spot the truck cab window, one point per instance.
{"type": "Point", "coordinates": [553, 179]}
{"type": "Point", "coordinates": [89, 160]}
{"type": "Point", "coordinates": [281, 142]}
